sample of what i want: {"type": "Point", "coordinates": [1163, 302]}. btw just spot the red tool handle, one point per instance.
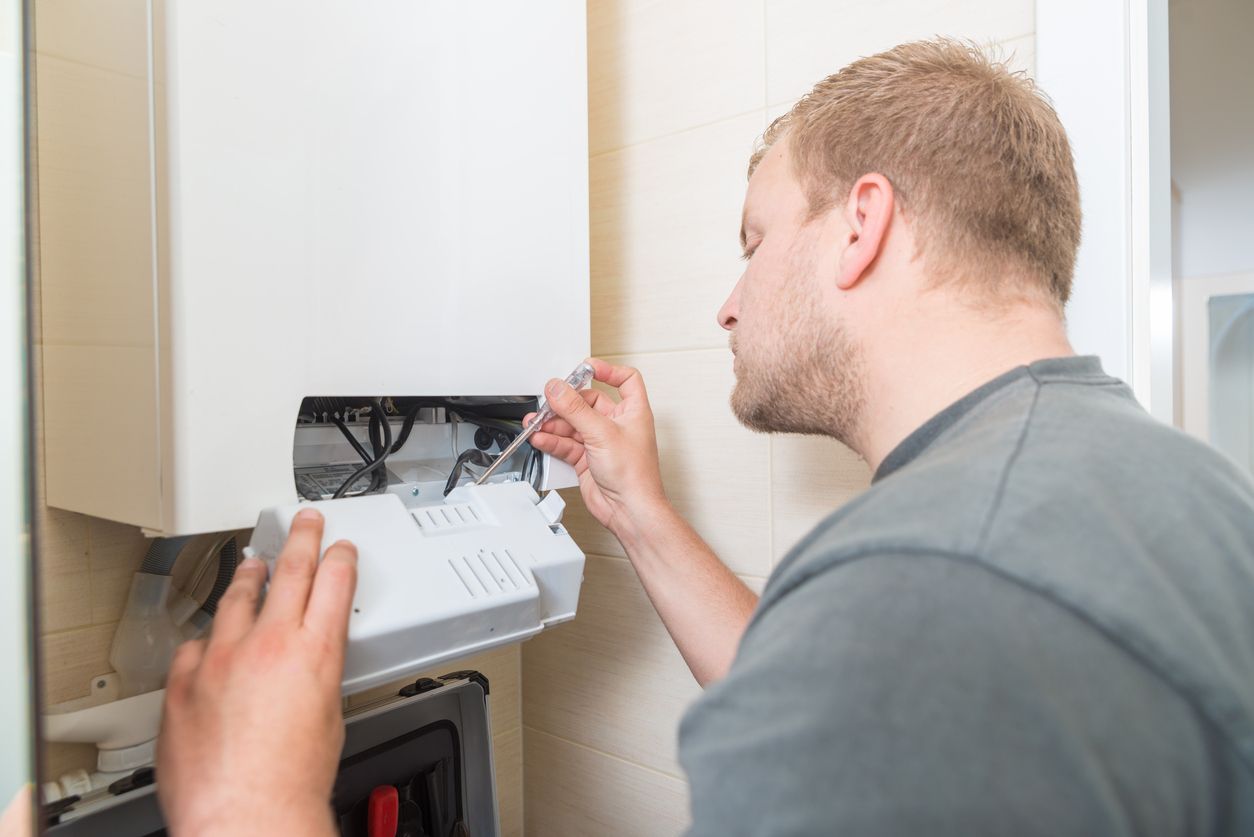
{"type": "Point", "coordinates": [383, 813]}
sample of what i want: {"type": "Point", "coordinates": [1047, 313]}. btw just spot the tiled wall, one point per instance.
{"type": "Point", "coordinates": [679, 91]}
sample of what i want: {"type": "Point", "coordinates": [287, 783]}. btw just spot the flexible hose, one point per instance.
{"type": "Point", "coordinates": [227, 560]}
{"type": "Point", "coordinates": [162, 554]}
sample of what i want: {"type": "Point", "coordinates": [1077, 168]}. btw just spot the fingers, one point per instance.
{"type": "Point", "coordinates": [331, 600]}
{"type": "Point", "coordinates": [560, 427]}
{"type": "Point", "coordinates": [627, 380]}
{"type": "Point", "coordinates": [564, 448]}
{"type": "Point", "coordinates": [294, 571]}
{"type": "Point", "coordinates": [600, 401]}
{"type": "Point", "coordinates": [569, 405]}
{"type": "Point", "coordinates": [186, 660]}
{"type": "Point", "coordinates": [237, 611]}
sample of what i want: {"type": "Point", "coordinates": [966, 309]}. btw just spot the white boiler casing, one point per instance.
{"type": "Point", "coordinates": [243, 204]}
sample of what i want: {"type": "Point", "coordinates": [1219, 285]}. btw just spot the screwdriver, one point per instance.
{"type": "Point", "coordinates": [580, 378]}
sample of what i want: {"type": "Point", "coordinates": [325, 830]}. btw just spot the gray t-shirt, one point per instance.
{"type": "Point", "coordinates": [1039, 620]}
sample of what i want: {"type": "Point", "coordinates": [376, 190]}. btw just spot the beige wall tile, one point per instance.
{"type": "Point", "coordinates": [811, 476]}
{"type": "Point", "coordinates": [117, 550]}
{"type": "Point", "coordinates": [64, 585]}
{"type": "Point", "coordinates": [71, 659]}
{"type": "Point", "coordinates": [665, 220]}
{"type": "Point", "coordinates": [714, 470]}
{"type": "Point", "coordinates": [592, 537]}
{"type": "Point", "coordinates": [574, 791]}
{"type": "Point", "coordinates": [807, 40]}
{"type": "Point", "coordinates": [111, 36]}
{"type": "Point", "coordinates": [656, 68]}
{"type": "Point", "coordinates": [612, 679]}
{"type": "Point", "coordinates": [94, 199]}
{"type": "Point", "coordinates": [507, 758]}
{"type": "Point", "coordinates": [59, 759]}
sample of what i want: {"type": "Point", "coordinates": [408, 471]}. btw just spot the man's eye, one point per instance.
{"type": "Point", "coordinates": [748, 254]}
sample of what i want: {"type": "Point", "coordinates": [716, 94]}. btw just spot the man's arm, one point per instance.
{"type": "Point", "coordinates": [252, 728]}
{"type": "Point", "coordinates": [613, 448]}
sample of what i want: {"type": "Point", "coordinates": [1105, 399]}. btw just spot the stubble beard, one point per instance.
{"type": "Point", "coordinates": [811, 382]}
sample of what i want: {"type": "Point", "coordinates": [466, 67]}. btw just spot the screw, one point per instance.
{"type": "Point", "coordinates": [100, 684]}
{"type": "Point", "coordinates": [415, 491]}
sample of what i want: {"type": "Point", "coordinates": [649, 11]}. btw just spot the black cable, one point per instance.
{"type": "Point", "coordinates": [537, 469]}
{"type": "Point", "coordinates": [471, 456]}
{"type": "Point", "coordinates": [352, 440]}
{"type": "Point", "coordinates": [380, 457]}
{"type": "Point", "coordinates": [410, 418]}
{"type": "Point", "coordinates": [379, 477]}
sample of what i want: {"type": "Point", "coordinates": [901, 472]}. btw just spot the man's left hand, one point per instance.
{"type": "Point", "coordinates": [253, 728]}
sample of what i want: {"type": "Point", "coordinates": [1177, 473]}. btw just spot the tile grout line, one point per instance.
{"type": "Point", "coordinates": [591, 749]}
{"type": "Point", "coordinates": [669, 134]}
{"type": "Point", "coordinates": [88, 627]}
{"type": "Point", "coordinates": [522, 744]}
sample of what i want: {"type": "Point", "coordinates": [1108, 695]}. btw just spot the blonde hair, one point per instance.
{"type": "Point", "coordinates": [976, 155]}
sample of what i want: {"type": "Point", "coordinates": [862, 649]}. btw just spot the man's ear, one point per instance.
{"type": "Point", "coordinates": [868, 212]}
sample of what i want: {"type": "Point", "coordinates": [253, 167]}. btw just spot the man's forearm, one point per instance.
{"type": "Point", "coordinates": [704, 606]}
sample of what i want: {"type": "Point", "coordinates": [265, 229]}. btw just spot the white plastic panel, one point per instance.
{"type": "Point", "coordinates": [490, 565]}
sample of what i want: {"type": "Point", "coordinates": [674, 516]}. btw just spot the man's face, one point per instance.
{"type": "Point", "coordinates": [798, 370]}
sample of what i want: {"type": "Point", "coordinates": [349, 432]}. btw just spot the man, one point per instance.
{"type": "Point", "coordinates": [1038, 620]}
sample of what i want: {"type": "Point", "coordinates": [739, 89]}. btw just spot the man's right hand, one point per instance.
{"type": "Point", "coordinates": [611, 444]}
{"type": "Point", "coordinates": [613, 447]}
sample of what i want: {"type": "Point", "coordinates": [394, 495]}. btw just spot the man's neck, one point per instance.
{"type": "Point", "coordinates": [928, 368]}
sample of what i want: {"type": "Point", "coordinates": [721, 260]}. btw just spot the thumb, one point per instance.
{"type": "Point", "coordinates": [568, 404]}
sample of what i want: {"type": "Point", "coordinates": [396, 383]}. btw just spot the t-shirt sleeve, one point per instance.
{"type": "Point", "coordinates": [924, 695]}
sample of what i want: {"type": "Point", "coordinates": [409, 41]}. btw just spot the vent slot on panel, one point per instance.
{"type": "Point", "coordinates": [431, 519]}
{"type": "Point", "coordinates": [491, 573]}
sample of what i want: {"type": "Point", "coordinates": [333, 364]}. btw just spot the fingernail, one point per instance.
{"type": "Point", "coordinates": [308, 514]}
{"type": "Point", "coordinates": [554, 388]}
{"type": "Point", "coordinates": [250, 562]}
{"type": "Point", "coordinates": [349, 545]}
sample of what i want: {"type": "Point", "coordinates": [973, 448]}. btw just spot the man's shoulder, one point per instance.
{"type": "Point", "coordinates": [1077, 497]}
{"type": "Point", "coordinates": [953, 688]}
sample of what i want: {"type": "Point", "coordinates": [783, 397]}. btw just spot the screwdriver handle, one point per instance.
{"type": "Point", "coordinates": [580, 378]}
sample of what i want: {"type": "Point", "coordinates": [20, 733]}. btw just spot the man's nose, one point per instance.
{"type": "Point", "coordinates": [728, 314]}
